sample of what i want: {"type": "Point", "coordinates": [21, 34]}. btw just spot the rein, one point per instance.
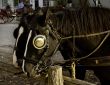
{"type": "Point", "coordinates": [78, 59]}
{"type": "Point", "coordinates": [89, 35]}
{"type": "Point", "coordinates": [83, 36]}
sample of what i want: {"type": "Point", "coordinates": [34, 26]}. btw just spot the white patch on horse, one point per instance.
{"type": "Point", "coordinates": [21, 30]}
{"type": "Point", "coordinates": [29, 36]}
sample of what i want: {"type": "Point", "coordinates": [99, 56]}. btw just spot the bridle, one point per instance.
{"type": "Point", "coordinates": [60, 39]}
{"type": "Point", "coordinates": [45, 62]}
{"type": "Point", "coordinates": [44, 59]}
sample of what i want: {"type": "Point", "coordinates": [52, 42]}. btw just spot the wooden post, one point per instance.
{"type": "Point", "coordinates": [73, 70]}
{"type": "Point", "coordinates": [55, 76]}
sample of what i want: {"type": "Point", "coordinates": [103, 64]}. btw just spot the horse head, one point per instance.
{"type": "Point", "coordinates": [44, 36]}
{"type": "Point", "coordinates": [40, 45]}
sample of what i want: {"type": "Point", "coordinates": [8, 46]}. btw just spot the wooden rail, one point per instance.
{"type": "Point", "coordinates": [55, 77]}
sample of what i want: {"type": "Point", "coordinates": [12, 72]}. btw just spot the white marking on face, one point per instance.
{"type": "Point", "coordinates": [21, 30]}
{"type": "Point", "coordinates": [29, 36]}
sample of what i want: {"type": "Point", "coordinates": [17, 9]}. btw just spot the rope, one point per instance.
{"type": "Point", "coordinates": [78, 59]}
{"type": "Point", "coordinates": [95, 48]}
{"type": "Point", "coordinates": [89, 35]}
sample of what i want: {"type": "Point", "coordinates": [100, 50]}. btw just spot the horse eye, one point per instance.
{"type": "Point", "coordinates": [39, 41]}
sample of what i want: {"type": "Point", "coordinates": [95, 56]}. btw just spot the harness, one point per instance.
{"type": "Point", "coordinates": [83, 36]}
{"type": "Point", "coordinates": [46, 59]}
{"type": "Point", "coordinates": [44, 62]}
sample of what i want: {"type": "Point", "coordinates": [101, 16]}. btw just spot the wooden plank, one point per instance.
{"type": "Point", "coordinates": [70, 81]}
{"type": "Point", "coordinates": [96, 61]}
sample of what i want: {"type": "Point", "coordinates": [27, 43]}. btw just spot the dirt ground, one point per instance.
{"type": "Point", "coordinates": [8, 77]}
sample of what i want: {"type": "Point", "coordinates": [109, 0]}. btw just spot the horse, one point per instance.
{"type": "Point", "coordinates": [81, 35]}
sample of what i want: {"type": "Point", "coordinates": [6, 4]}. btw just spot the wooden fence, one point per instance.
{"type": "Point", "coordinates": [55, 77]}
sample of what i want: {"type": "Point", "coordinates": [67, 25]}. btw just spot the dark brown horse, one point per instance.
{"type": "Point", "coordinates": [82, 36]}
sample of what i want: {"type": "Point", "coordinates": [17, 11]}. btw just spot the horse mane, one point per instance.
{"type": "Point", "coordinates": [81, 21]}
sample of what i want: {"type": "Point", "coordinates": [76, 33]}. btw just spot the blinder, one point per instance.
{"type": "Point", "coordinates": [40, 41]}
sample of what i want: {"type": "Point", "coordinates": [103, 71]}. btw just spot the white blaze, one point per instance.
{"type": "Point", "coordinates": [14, 53]}
{"type": "Point", "coordinates": [29, 36]}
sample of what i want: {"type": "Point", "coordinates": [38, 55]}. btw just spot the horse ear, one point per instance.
{"type": "Point", "coordinates": [48, 13]}
{"type": "Point", "coordinates": [44, 14]}
{"type": "Point", "coordinates": [39, 11]}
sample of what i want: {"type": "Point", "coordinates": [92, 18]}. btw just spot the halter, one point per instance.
{"type": "Point", "coordinates": [44, 61]}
